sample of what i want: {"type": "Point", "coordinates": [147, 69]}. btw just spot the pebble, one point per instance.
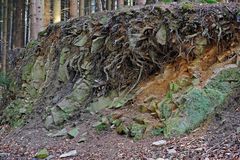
{"type": "Point", "coordinates": [159, 143]}
{"type": "Point", "coordinates": [4, 155]}
{"type": "Point", "coordinates": [171, 151]}
{"type": "Point", "coordinates": [69, 154]}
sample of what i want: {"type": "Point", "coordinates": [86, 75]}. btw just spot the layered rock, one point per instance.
{"type": "Point", "coordinates": [97, 62]}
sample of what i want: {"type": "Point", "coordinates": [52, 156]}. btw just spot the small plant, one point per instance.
{"type": "Point", "coordinates": [167, 1]}
{"type": "Point", "coordinates": [4, 80]}
{"type": "Point", "coordinates": [102, 125]}
{"type": "Point", "coordinates": [209, 1]}
{"type": "Point", "coordinates": [187, 6]}
{"type": "Point", "coordinates": [32, 43]}
{"type": "Point", "coordinates": [173, 88]}
{"type": "Point", "coordinates": [157, 131]}
{"type": "Point", "coordinates": [16, 113]}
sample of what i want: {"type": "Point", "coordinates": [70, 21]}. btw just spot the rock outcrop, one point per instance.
{"type": "Point", "coordinates": [106, 59]}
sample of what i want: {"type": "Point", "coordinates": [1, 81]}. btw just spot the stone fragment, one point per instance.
{"type": "Point", "coordinates": [161, 35]}
{"type": "Point", "coordinates": [69, 154]}
{"type": "Point", "coordinates": [159, 143]}
{"type": "Point", "coordinates": [172, 151]}
{"type": "Point", "coordinates": [41, 154]}
{"type": "Point", "coordinates": [58, 116]}
{"type": "Point", "coordinates": [73, 133]}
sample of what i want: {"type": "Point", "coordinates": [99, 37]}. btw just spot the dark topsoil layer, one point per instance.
{"type": "Point", "coordinates": [219, 138]}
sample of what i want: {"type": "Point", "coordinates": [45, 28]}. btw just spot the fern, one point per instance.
{"type": "Point", "coordinates": [4, 80]}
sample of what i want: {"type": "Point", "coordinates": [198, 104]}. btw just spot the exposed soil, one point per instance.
{"type": "Point", "coordinates": [219, 138]}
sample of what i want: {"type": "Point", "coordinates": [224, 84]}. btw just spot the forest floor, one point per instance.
{"type": "Point", "coordinates": [218, 138]}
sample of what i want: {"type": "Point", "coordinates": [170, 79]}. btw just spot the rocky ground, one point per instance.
{"type": "Point", "coordinates": [219, 138]}
{"type": "Point", "coordinates": [63, 89]}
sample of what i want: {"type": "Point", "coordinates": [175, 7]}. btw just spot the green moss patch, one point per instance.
{"type": "Point", "coordinates": [17, 113]}
{"type": "Point", "coordinates": [196, 104]}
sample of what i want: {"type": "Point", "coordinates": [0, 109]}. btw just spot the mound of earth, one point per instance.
{"type": "Point", "coordinates": [218, 138]}
{"type": "Point", "coordinates": [142, 72]}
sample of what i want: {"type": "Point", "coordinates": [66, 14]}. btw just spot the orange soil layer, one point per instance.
{"type": "Point", "coordinates": [201, 68]}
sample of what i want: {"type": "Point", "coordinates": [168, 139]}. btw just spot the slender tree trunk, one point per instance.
{"type": "Point", "coordinates": [103, 4]}
{"type": "Point", "coordinates": [10, 21]}
{"type": "Point", "coordinates": [36, 18]}
{"type": "Point", "coordinates": [14, 23]}
{"type": "Point", "coordinates": [28, 17]}
{"type": "Point", "coordinates": [81, 7]}
{"type": "Point", "coordinates": [56, 11]}
{"type": "Point", "coordinates": [65, 10]}
{"type": "Point", "coordinates": [99, 6]}
{"type": "Point", "coordinates": [87, 7]}
{"type": "Point", "coordinates": [19, 24]}
{"type": "Point", "coordinates": [73, 5]}
{"type": "Point", "coordinates": [141, 2]}
{"type": "Point", "coordinates": [109, 4]}
{"type": "Point", "coordinates": [150, 1]}
{"type": "Point", "coordinates": [130, 2]}
{"type": "Point", "coordinates": [5, 33]}
{"type": "Point", "coordinates": [113, 5]}
{"type": "Point", "coordinates": [47, 16]}
{"type": "Point", "coordinates": [1, 25]}
{"type": "Point", "coordinates": [92, 6]}
{"type": "Point", "coordinates": [22, 44]}
{"type": "Point", "coordinates": [120, 3]}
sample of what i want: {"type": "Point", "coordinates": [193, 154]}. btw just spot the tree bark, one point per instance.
{"type": "Point", "coordinates": [5, 33]}
{"type": "Point", "coordinates": [36, 12]}
{"type": "Point", "coordinates": [99, 6]}
{"type": "Point", "coordinates": [113, 5]}
{"type": "Point", "coordinates": [73, 5]}
{"type": "Point", "coordinates": [103, 5]}
{"type": "Point", "coordinates": [131, 2]}
{"type": "Point", "coordinates": [109, 4]}
{"type": "Point", "coordinates": [19, 24]}
{"type": "Point", "coordinates": [27, 31]}
{"type": "Point", "coordinates": [150, 1]}
{"type": "Point", "coordinates": [47, 16]}
{"type": "Point", "coordinates": [56, 11]}
{"type": "Point", "coordinates": [10, 21]}
{"type": "Point", "coordinates": [120, 3]}
{"type": "Point", "coordinates": [81, 7]}
{"type": "Point", "coordinates": [1, 25]}
{"type": "Point", "coordinates": [141, 2]}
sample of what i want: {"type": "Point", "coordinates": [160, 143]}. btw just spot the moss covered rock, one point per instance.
{"type": "Point", "coordinates": [17, 112]}
{"type": "Point", "coordinates": [198, 103]}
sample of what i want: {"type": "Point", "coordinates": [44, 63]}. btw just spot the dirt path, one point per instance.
{"type": "Point", "coordinates": [219, 138]}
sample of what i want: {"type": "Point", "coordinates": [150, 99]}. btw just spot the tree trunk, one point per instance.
{"type": "Point", "coordinates": [109, 4]}
{"type": "Point", "coordinates": [141, 2]}
{"type": "Point", "coordinates": [36, 18]}
{"type": "Point", "coordinates": [130, 2]}
{"type": "Point", "coordinates": [99, 6]}
{"type": "Point", "coordinates": [47, 16]}
{"type": "Point", "coordinates": [150, 1]}
{"type": "Point", "coordinates": [103, 5]}
{"type": "Point", "coordinates": [10, 21]}
{"type": "Point", "coordinates": [81, 7]}
{"type": "Point", "coordinates": [1, 25]}
{"type": "Point", "coordinates": [19, 24]}
{"type": "Point", "coordinates": [120, 3]}
{"type": "Point", "coordinates": [113, 5]}
{"type": "Point", "coordinates": [5, 33]}
{"type": "Point", "coordinates": [92, 6]}
{"type": "Point", "coordinates": [73, 5]}
{"type": "Point", "coordinates": [28, 17]}
{"type": "Point", "coordinates": [65, 10]}
{"type": "Point", "coordinates": [56, 11]}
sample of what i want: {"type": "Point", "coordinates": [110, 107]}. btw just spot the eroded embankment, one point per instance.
{"type": "Point", "coordinates": [108, 59]}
